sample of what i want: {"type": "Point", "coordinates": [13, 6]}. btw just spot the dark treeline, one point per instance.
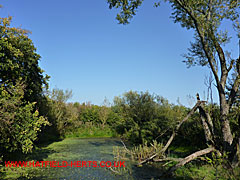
{"type": "Point", "coordinates": [136, 117]}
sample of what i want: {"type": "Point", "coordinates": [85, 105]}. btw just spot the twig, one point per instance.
{"type": "Point", "coordinates": [162, 134]}
{"type": "Point", "coordinates": [125, 147]}
{"type": "Point", "coordinates": [117, 172]}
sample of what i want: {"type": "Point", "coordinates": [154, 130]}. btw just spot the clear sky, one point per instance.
{"type": "Point", "coordinates": [83, 48]}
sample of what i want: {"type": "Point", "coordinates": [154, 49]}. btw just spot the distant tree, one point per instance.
{"type": "Point", "coordinates": [60, 113]}
{"type": "Point", "coordinates": [104, 111]}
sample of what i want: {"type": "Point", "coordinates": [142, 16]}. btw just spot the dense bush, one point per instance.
{"type": "Point", "coordinates": [19, 123]}
{"type": "Point", "coordinates": [145, 116]}
{"type": "Point", "coordinates": [136, 117]}
{"type": "Point", "coordinates": [191, 134]}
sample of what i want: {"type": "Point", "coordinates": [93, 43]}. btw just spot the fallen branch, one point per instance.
{"type": "Point", "coordinates": [190, 158]}
{"type": "Point", "coordinates": [125, 147]}
{"type": "Point", "coordinates": [179, 125]}
{"type": "Point", "coordinates": [148, 159]}
{"type": "Point", "coordinates": [173, 134]}
{"type": "Point", "coordinates": [168, 159]}
{"type": "Point", "coordinates": [116, 172]}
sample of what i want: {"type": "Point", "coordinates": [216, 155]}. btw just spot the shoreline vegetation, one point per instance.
{"type": "Point", "coordinates": [157, 138]}
{"type": "Point", "coordinates": [62, 150]}
{"type": "Point", "coordinates": [141, 122]}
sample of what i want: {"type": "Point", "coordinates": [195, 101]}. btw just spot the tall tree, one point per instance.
{"type": "Point", "coordinates": [205, 17]}
{"type": "Point", "coordinates": [21, 87]}
{"type": "Point", "coordinates": [19, 61]}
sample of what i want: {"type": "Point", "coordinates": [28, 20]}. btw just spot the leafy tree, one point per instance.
{"type": "Point", "coordinates": [205, 17]}
{"type": "Point", "coordinates": [22, 83]}
{"type": "Point", "coordinates": [90, 113]}
{"type": "Point", "coordinates": [21, 87]}
{"type": "Point", "coordinates": [144, 116]}
{"type": "Point", "coordinates": [60, 114]}
{"type": "Point", "coordinates": [19, 61]}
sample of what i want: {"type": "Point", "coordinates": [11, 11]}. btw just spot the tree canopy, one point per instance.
{"type": "Point", "coordinates": [19, 61]}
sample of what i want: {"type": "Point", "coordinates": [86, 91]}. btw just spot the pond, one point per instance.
{"type": "Point", "coordinates": [76, 149]}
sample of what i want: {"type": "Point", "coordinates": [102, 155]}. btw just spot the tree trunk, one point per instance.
{"type": "Point", "coordinates": [207, 125]}
{"type": "Point", "coordinates": [225, 126]}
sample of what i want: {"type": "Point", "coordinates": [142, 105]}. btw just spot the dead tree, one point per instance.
{"type": "Point", "coordinates": [209, 136]}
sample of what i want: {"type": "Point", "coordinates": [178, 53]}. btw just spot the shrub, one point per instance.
{"type": "Point", "coordinates": [19, 123]}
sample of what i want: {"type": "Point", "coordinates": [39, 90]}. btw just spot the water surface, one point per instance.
{"type": "Point", "coordinates": [97, 149]}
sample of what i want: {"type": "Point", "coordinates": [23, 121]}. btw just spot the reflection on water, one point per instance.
{"type": "Point", "coordinates": [97, 149]}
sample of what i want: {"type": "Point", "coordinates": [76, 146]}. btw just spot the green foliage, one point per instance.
{"type": "Point", "coordinates": [144, 151]}
{"type": "Point", "coordinates": [144, 116]}
{"type": "Point", "coordinates": [19, 61]}
{"type": "Point", "coordinates": [221, 166]}
{"type": "Point", "coordinates": [19, 123]}
{"type": "Point", "coordinates": [128, 9]}
{"type": "Point", "coordinates": [193, 171]}
{"type": "Point", "coordinates": [88, 130]}
{"type": "Point", "coordinates": [234, 117]}
{"type": "Point", "coordinates": [206, 23]}
{"type": "Point", "coordinates": [90, 113]}
{"type": "Point", "coordinates": [21, 90]}
{"type": "Point", "coordinates": [78, 120]}
{"type": "Point", "coordinates": [191, 133]}
{"type": "Point", "coordinates": [60, 114]}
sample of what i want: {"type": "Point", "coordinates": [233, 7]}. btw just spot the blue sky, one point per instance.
{"type": "Point", "coordinates": [83, 48]}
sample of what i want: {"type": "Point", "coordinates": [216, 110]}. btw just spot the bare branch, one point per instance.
{"type": "Point", "coordinates": [190, 158]}
{"type": "Point", "coordinates": [116, 172]}
{"type": "Point", "coordinates": [125, 147]}
{"type": "Point", "coordinates": [162, 134]}
{"type": "Point", "coordinates": [234, 90]}
{"type": "Point", "coordinates": [173, 134]}
{"type": "Point", "coordinates": [148, 159]}
{"type": "Point", "coordinates": [231, 65]}
{"type": "Point", "coordinates": [179, 125]}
